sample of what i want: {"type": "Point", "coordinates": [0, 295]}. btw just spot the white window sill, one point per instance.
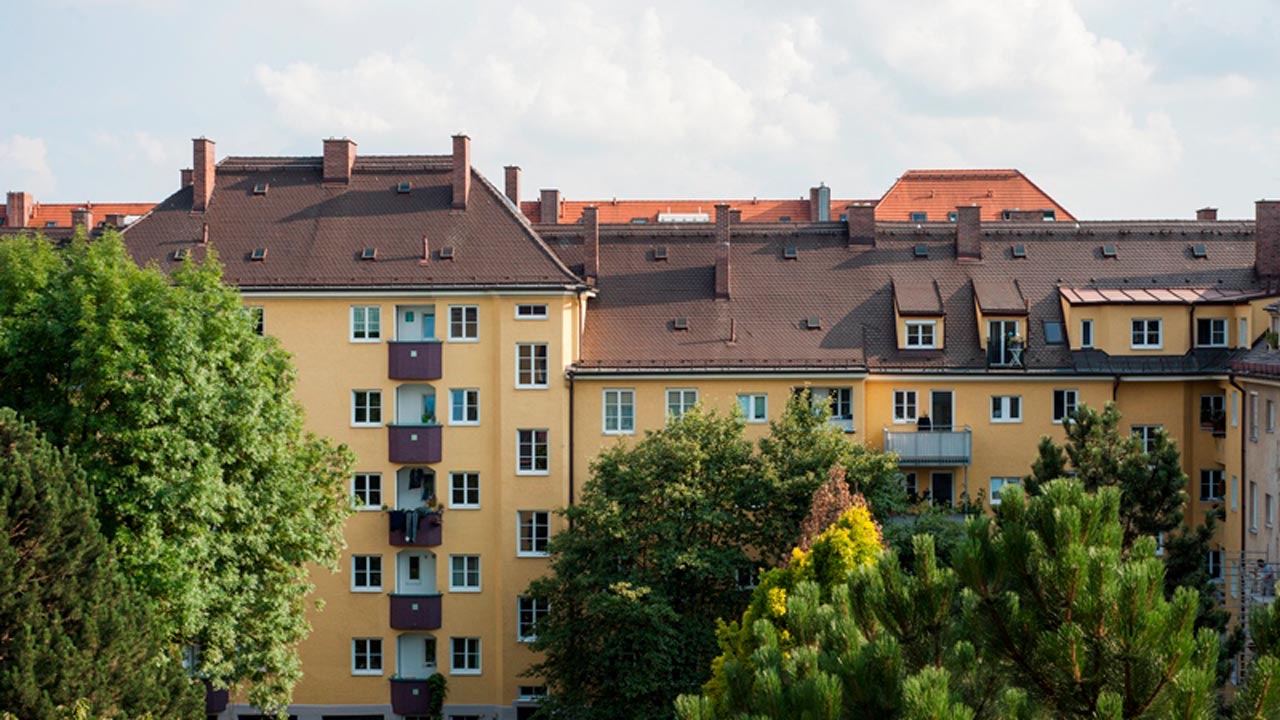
{"type": "Point", "coordinates": [906, 421]}
{"type": "Point", "coordinates": [533, 473]}
{"type": "Point", "coordinates": [464, 507]}
{"type": "Point", "coordinates": [367, 508]}
{"type": "Point", "coordinates": [619, 432]}
{"type": "Point", "coordinates": [366, 672]}
{"type": "Point", "coordinates": [532, 554]}
{"type": "Point", "coordinates": [764, 421]}
{"type": "Point", "coordinates": [366, 589]}
{"type": "Point", "coordinates": [532, 387]}
{"type": "Point", "coordinates": [464, 672]}
{"type": "Point", "coordinates": [463, 589]}
{"type": "Point", "coordinates": [464, 340]}
{"type": "Point", "coordinates": [526, 639]}
{"type": "Point", "coordinates": [459, 423]}
{"type": "Point", "coordinates": [1146, 347]}
{"type": "Point", "coordinates": [366, 341]}
{"type": "Point", "coordinates": [920, 347]}
{"type": "Point", "coordinates": [366, 425]}
{"type": "Point", "coordinates": [998, 421]}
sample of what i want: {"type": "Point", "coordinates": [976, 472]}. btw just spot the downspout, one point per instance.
{"type": "Point", "coordinates": [1244, 476]}
{"type": "Point", "coordinates": [1115, 389]}
{"type": "Point", "coordinates": [572, 413]}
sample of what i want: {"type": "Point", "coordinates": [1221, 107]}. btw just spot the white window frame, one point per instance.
{"type": "Point", "coordinates": [258, 320]}
{"type": "Point", "coordinates": [1253, 417]}
{"type": "Point", "coordinates": [1214, 565]}
{"type": "Point", "coordinates": [533, 446]}
{"type": "Point", "coordinates": [915, 340]}
{"type": "Point", "coordinates": [682, 394]}
{"type": "Point", "coordinates": [464, 477]}
{"type": "Point", "coordinates": [611, 404]}
{"type": "Point", "coordinates": [531, 693]}
{"type": "Point", "coordinates": [536, 518]}
{"type": "Point", "coordinates": [1253, 506]}
{"type": "Point", "coordinates": [1271, 415]}
{"type": "Point", "coordinates": [474, 310]}
{"type": "Point", "coordinates": [534, 312]}
{"type": "Point", "coordinates": [1271, 510]}
{"type": "Point", "coordinates": [471, 399]}
{"type": "Point", "coordinates": [831, 394]}
{"type": "Point", "coordinates": [466, 652]}
{"type": "Point", "coordinates": [365, 321]}
{"type": "Point", "coordinates": [355, 491]}
{"type": "Point", "coordinates": [533, 365]}
{"type": "Point", "coordinates": [1146, 435]}
{"type": "Point", "coordinates": [368, 407]}
{"type": "Point", "coordinates": [1235, 408]}
{"type": "Point", "coordinates": [1220, 484]}
{"type": "Point", "coordinates": [993, 497]}
{"type": "Point", "coordinates": [749, 403]}
{"type": "Point", "coordinates": [466, 560]}
{"type": "Point", "coordinates": [1146, 332]}
{"type": "Point", "coordinates": [537, 611]}
{"type": "Point", "coordinates": [1067, 407]}
{"type": "Point", "coordinates": [1006, 404]}
{"type": "Point", "coordinates": [368, 654]}
{"type": "Point", "coordinates": [1243, 332]}
{"type": "Point", "coordinates": [1086, 333]}
{"type": "Point", "coordinates": [906, 407]}
{"type": "Point", "coordinates": [368, 571]}
{"type": "Point", "coordinates": [1215, 325]}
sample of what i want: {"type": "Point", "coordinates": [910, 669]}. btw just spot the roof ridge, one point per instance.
{"type": "Point", "coordinates": [509, 207]}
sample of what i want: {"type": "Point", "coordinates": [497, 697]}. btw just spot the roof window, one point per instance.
{"type": "Point", "coordinates": [446, 252]}
{"type": "Point", "coordinates": [258, 254]}
{"type": "Point", "coordinates": [1109, 251]}
{"type": "Point", "coordinates": [639, 221]}
{"type": "Point", "coordinates": [404, 187]}
{"type": "Point", "coordinates": [1053, 334]}
{"type": "Point", "coordinates": [952, 216]}
{"type": "Point", "coordinates": [179, 254]}
{"type": "Point", "coordinates": [680, 323]}
{"type": "Point", "coordinates": [1049, 216]}
{"type": "Point", "coordinates": [812, 322]}
{"type": "Point", "coordinates": [369, 254]}
{"type": "Point", "coordinates": [51, 223]}
{"type": "Point", "coordinates": [260, 189]}
{"type": "Point", "coordinates": [921, 251]}
{"type": "Point", "coordinates": [919, 217]}
{"type": "Point", "coordinates": [1019, 251]}
{"type": "Point", "coordinates": [785, 218]}
{"type": "Point", "coordinates": [791, 252]}
{"type": "Point", "coordinates": [660, 253]}
{"type": "Point", "coordinates": [1199, 251]}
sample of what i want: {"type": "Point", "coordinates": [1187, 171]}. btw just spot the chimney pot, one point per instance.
{"type": "Point", "coordinates": [184, 177]}
{"type": "Point", "coordinates": [549, 207]}
{"type": "Point", "coordinates": [861, 224]}
{"type": "Point", "coordinates": [1266, 239]}
{"type": "Point", "coordinates": [339, 158]}
{"type": "Point", "coordinates": [19, 206]}
{"type": "Point", "coordinates": [969, 233]}
{"type": "Point", "coordinates": [204, 163]}
{"type": "Point", "coordinates": [591, 243]}
{"type": "Point", "coordinates": [1207, 214]}
{"type": "Point", "coordinates": [722, 236]}
{"type": "Point", "coordinates": [820, 203]}
{"type": "Point", "coordinates": [512, 185]}
{"type": "Point", "coordinates": [461, 171]}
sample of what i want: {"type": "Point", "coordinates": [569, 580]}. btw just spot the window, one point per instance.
{"type": "Point", "coordinates": [680, 401]}
{"type": "Point", "coordinates": [1271, 510]}
{"type": "Point", "coordinates": [531, 452]}
{"type": "Point", "coordinates": [464, 573]}
{"type": "Point", "coordinates": [1215, 564]}
{"type": "Point", "coordinates": [1086, 333]}
{"type": "Point", "coordinates": [1253, 416]}
{"type": "Point", "coordinates": [531, 312]}
{"type": "Point", "coordinates": [1146, 434]}
{"type": "Point", "coordinates": [747, 578]}
{"type": "Point", "coordinates": [1211, 486]}
{"type": "Point", "coordinates": [534, 530]}
{"type": "Point", "coordinates": [1006, 408]}
{"type": "Point", "coordinates": [366, 573]}
{"type": "Point", "coordinates": [1000, 483]}
{"type": "Point", "coordinates": [904, 406]}
{"type": "Point", "coordinates": [755, 407]}
{"type": "Point", "coordinates": [531, 693]}
{"type": "Point", "coordinates": [1213, 412]}
{"type": "Point", "coordinates": [920, 333]}
{"type": "Point", "coordinates": [1271, 416]}
{"type": "Point", "coordinates": [464, 490]}
{"type": "Point", "coordinates": [1235, 409]}
{"type": "Point", "coordinates": [1145, 335]}
{"type": "Point", "coordinates": [1053, 334]}
{"type": "Point", "coordinates": [529, 612]}
{"type": "Point", "coordinates": [1064, 404]}
{"type": "Point", "coordinates": [909, 484]}
{"type": "Point", "coordinates": [919, 217]}
{"type": "Point", "coordinates": [1253, 506]}
{"type": "Point", "coordinates": [531, 365]}
{"type": "Point", "coordinates": [1242, 339]}
{"type": "Point", "coordinates": [257, 319]}
{"type": "Point", "coordinates": [464, 323]}
{"type": "Point", "coordinates": [415, 567]}
{"type": "Point", "coordinates": [1160, 544]}
{"type": "Point", "coordinates": [366, 656]}
{"type": "Point", "coordinates": [464, 406]}
{"type": "Point", "coordinates": [619, 411]}
{"type": "Point", "coordinates": [840, 400]}
{"type": "Point", "coordinates": [366, 408]}
{"type": "Point", "coordinates": [1211, 332]}
{"type": "Point", "coordinates": [366, 323]}
{"type": "Point", "coordinates": [464, 655]}
{"type": "Point", "coordinates": [366, 491]}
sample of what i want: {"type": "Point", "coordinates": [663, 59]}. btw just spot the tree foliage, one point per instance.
{"type": "Point", "coordinates": [74, 637]}
{"type": "Point", "coordinates": [212, 495]}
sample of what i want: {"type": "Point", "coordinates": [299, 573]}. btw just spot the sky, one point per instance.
{"type": "Point", "coordinates": [1134, 109]}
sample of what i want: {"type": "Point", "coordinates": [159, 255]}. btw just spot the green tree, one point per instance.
{"type": "Point", "coordinates": [212, 495]}
{"type": "Point", "coordinates": [1050, 464]}
{"type": "Point", "coordinates": [73, 633]}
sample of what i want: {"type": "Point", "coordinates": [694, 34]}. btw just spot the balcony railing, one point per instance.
{"type": "Point", "coordinates": [415, 528]}
{"type": "Point", "coordinates": [1010, 355]}
{"type": "Point", "coordinates": [415, 360]}
{"type": "Point", "coordinates": [922, 448]}
{"type": "Point", "coordinates": [413, 443]}
{"type": "Point", "coordinates": [410, 696]}
{"type": "Point", "coordinates": [1215, 421]}
{"type": "Point", "coordinates": [415, 612]}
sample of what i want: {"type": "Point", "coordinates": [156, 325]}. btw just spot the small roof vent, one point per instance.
{"type": "Point", "coordinates": [260, 189]}
{"type": "Point", "coordinates": [369, 254]}
{"type": "Point", "coordinates": [179, 254]}
{"type": "Point", "coordinates": [920, 251]}
{"type": "Point", "coordinates": [446, 252]}
{"type": "Point", "coordinates": [785, 218]}
{"type": "Point", "coordinates": [1019, 251]}
{"type": "Point", "coordinates": [813, 322]}
{"type": "Point", "coordinates": [1199, 251]}
{"type": "Point", "coordinates": [680, 323]}
{"type": "Point", "coordinates": [51, 223]}
{"type": "Point", "coordinates": [404, 187]}
{"type": "Point", "coordinates": [1109, 251]}
{"type": "Point", "coordinates": [639, 221]}
{"type": "Point", "coordinates": [258, 254]}
{"type": "Point", "coordinates": [791, 252]}
{"type": "Point", "coordinates": [660, 252]}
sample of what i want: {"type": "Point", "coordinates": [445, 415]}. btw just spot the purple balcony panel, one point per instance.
{"type": "Point", "coordinates": [410, 697]}
{"type": "Point", "coordinates": [215, 701]}
{"type": "Point", "coordinates": [413, 443]}
{"type": "Point", "coordinates": [427, 530]}
{"type": "Point", "coordinates": [414, 360]}
{"type": "Point", "coordinates": [415, 612]}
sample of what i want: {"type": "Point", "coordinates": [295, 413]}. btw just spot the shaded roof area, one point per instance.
{"type": "Point", "coordinates": [313, 234]}
{"type": "Point", "coordinates": [939, 192]}
{"type": "Point", "coordinates": [617, 211]}
{"type": "Point", "coordinates": [59, 214]}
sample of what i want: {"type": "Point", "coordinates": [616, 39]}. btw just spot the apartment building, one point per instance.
{"type": "Point", "coordinates": [476, 353]}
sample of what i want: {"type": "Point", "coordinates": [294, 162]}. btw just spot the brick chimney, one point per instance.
{"type": "Point", "coordinates": [184, 177]}
{"type": "Point", "coordinates": [549, 207]}
{"type": "Point", "coordinates": [1266, 239]}
{"type": "Point", "coordinates": [820, 203]}
{"type": "Point", "coordinates": [19, 206]}
{"type": "Point", "coordinates": [202, 177]}
{"type": "Point", "coordinates": [339, 158]}
{"type": "Point", "coordinates": [591, 243]}
{"type": "Point", "coordinates": [461, 171]}
{"type": "Point", "coordinates": [969, 233]}
{"type": "Point", "coordinates": [512, 184]}
{"type": "Point", "coordinates": [1208, 214]}
{"type": "Point", "coordinates": [723, 283]}
{"type": "Point", "coordinates": [861, 224]}
{"type": "Point", "coordinates": [82, 217]}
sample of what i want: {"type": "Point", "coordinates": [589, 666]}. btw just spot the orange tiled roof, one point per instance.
{"type": "Point", "coordinates": [620, 212]}
{"type": "Point", "coordinates": [938, 192]}
{"type": "Point", "coordinates": [60, 213]}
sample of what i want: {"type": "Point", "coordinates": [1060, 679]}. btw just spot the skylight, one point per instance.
{"type": "Point", "coordinates": [1199, 251]}
{"type": "Point", "coordinates": [1019, 251]}
{"type": "Point", "coordinates": [404, 187]}
{"type": "Point", "coordinates": [1109, 251]}
{"type": "Point", "coordinates": [258, 254]}
{"type": "Point", "coordinates": [921, 251]}
{"type": "Point", "coordinates": [791, 252]}
{"type": "Point", "coordinates": [369, 253]}
{"type": "Point", "coordinates": [260, 189]}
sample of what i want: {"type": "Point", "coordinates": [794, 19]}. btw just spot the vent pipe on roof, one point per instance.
{"type": "Point", "coordinates": [1266, 239]}
{"type": "Point", "coordinates": [339, 158]}
{"type": "Point", "coordinates": [549, 207]}
{"type": "Point", "coordinates": [969, 233]}
{"type": "Point", "coordinates": [512, 185]}
{"type": "Point", "coordinates": [184, 178]}
{"type": "Point", "coordinates": [722, 251]}
{"type": "Point", "coordinates": [820, 203]}
{"type": "Point", "coordinates": [461, 171]}
{"type": "Point", "coordinates": [19, 206]}
{"type": "Point", "coordinates": [82, 217]}
{"type": "Point", "coordinates": [203, 161]}
{"type": "Point", "coordinates": [861, 224]}
{"type": "Point", "coordinates": [1207, 214]}
{"type": "Point", "coordinates": [591, 244]}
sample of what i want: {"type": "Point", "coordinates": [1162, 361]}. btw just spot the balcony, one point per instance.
{"type": "Point", "coordinates": [415, 612]}
{"type": "Point", "coordinates": [410, 696]}
{"type": "Point", "coordinates": [415, 360]}
{"type": "Point", "coordinates": [1005, 353]}
{"type": "Point", "coordinates": [417, 528]}
{"type": "Point", "coordinates": [930, 448]}
{"type": "Point", "coordinates": [413, 443]}
{"type": "Point", "coordinates": [1214, 421]}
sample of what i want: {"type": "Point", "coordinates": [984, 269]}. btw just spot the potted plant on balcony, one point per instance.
{"type": "Point", "coordinates": [428, 417]}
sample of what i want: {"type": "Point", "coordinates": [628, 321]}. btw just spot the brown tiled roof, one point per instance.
{"type": "Point", "coordinates": [314, 233]}
{"type": "Point", "coordinates": [917, 297]}
{"type": "Point", "coordinates": [939, 192]}
{"type": "Point", "coordinates": [999, 296]}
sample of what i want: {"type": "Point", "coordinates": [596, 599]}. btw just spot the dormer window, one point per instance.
{"type": "Point", "coordinates": [919, 217]}
{"type": "Point", "coordinates": [922, 334]}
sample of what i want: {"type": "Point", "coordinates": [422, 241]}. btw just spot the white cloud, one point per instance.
{"type": "Point", "coordinates": [26, 164]}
